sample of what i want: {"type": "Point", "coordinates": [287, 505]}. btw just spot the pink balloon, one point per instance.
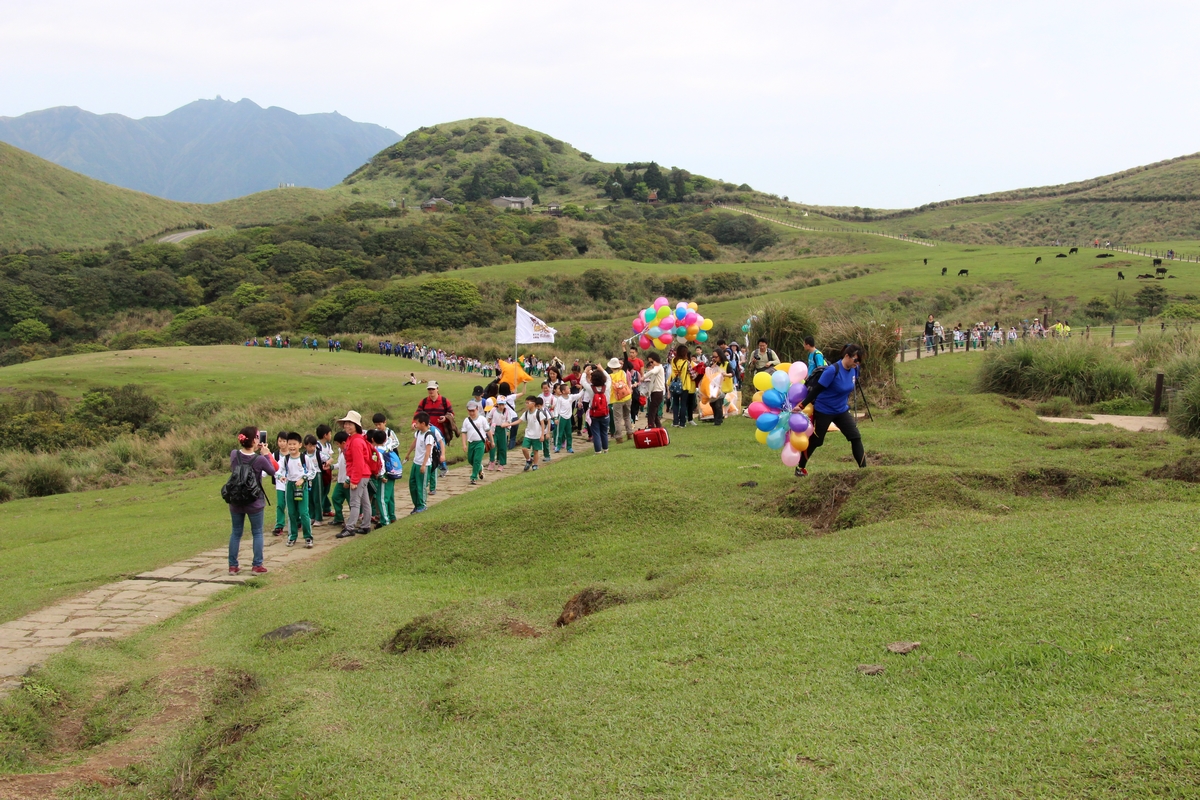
{"type": "Point", "coordinates": [639, 324]}
{"type": "Point", "coordinates": [790, 456]}
{"type": "Point", "coordinates": [659, 303]}
{"type": "Point", "coordinates": [644, 342]}
{"type": "Point", "coordinates": [689, 318]}
{"type": "Point", "coordinates": [756, 409]}
{"type": "Point", "coordinates": [667, 338]}
{"type": "Point", "coordinates": [798, 372]}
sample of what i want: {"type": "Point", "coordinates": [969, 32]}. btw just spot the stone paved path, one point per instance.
{"type": "Point", "coordinates": [120, 608]}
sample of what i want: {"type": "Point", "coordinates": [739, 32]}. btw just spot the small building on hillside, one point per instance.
{"type": "Point", "coordinates": [653, 197]}
{"type": "Point", "coordinates": [437, 204]}
{"type": "Point", "coordinates": [554, 209]}
{"type": "Point", "coordinates": [513, 203]}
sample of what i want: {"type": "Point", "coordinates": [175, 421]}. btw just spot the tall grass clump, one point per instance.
{"type": "Point", "coordinates": [784, 327]}
{"type": "Point", "coordinates": [1184, 417]}
{"type": "Point", "coordinates": [41, 476]}
{"type": "Point", "coordinates": [1153, 350]}
{"type": "Point", "coordinates": [876, 336]}
{"type": "Point", "coordinates": [1083, 373]}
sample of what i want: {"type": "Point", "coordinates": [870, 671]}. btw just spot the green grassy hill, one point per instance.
{"type": "Point", "coordinates": [1155, 202]}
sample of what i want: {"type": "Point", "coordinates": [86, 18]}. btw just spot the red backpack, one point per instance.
{"type": "Point", "coordinates": [599, 406]}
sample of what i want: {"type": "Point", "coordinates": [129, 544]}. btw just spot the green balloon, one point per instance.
{"type": "Point", "coordinates": [702, 336]}
{"type": "Point", "coordinates": [745, 329]}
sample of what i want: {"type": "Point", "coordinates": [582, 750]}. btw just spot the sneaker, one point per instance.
{"type": "Point", "coordinates": [317, 523]}
{"type": "Point", "coordinates": [472, 481]}
{"type": "Point", "coordinates": [569, 450]}
{"type": "Point", "coordinates": [259, 570]}
{"type": "Point", "coordinates": [234, 570]}
{"type": "Point", "coordinates": [528, 466]}
{"type": "Point", "coordinates": [693, 422]}
{"type": "Point", "coordinates": [291, 542]}
{"type": "Point", "coordinates": [345, 534]}
{"type": "Point", "coordinates": [329, 513]}
{"type": "Point", "coordinates": [278, 531]}
{"type": "Point", "coordinates": [605, 452]}
{"type": "Point", "coordinates": [558, 450]}
{"type": "Point", "coordinates": [363, 531]}
{"type": "Point", "coordinates": [801, 471]}
{"type": "Point", "coordinates": [432, 492]}
{"type": "Point", "coordinates": [308, 543]}
{"type": "Point", "coordinates": [379, 525]}
{"type": "Point", "coordinates": [535, 466]}
{"type": "Point", "coordinates": [416, 510]}
{"type": "Point", "coordinates": [339, 522]}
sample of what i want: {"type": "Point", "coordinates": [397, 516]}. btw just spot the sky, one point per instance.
{"type": "Point", "coordinates": [878, 104]}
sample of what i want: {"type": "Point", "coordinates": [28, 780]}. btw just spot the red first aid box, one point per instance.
{"type": "Point", "coordinates": [651, 437]}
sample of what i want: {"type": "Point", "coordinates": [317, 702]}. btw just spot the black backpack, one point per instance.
{"type": "Point", "coordinates": [244, 486]}
{"type": "Point", "coordinates": [814, 385]}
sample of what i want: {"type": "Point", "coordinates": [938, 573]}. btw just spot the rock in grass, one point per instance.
{"type": "Point", "coordinates": [288, 631]}
{"type": "Point", "coordinates": [903, 648]}
{"type": "Point", "coordinates": [870, 669]}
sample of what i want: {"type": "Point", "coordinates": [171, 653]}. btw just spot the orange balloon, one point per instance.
{"type": "Point", "coordinates": [757, 397]}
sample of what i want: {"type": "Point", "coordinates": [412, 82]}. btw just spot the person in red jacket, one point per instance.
{"type": "Point", "coordinates": [358, 471]}
{"type": "Point", "coordinates": [441, 413]}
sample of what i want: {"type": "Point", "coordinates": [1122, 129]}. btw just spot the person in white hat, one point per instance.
{"type": "Point", "coordinates": [357, 453]}
{"type": "Point", "coordinates": [621, 400]}
{"type": "Point", "coordinates": [476, 435]}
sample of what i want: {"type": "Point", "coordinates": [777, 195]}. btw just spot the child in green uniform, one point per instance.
{"type": "Point", "coordinates": [281, 450]}
{"type": "Point", "coordinates": [475, 434]}
{"type": "Point", "coordinates": [379, 483]}
{"type": "Point", "coordinates": [536, 431]}
{"type": "Point", "coordinates": [341, 484]}
{"type": "Point", "coordinates": [297, 475]}
{"type": "Point", "coordinates": [325, 448]}
{"type": "Point", "coordinates": [501, 418]}
{"type": "Point", "coordinates": [315, 489]}
{"type": "Point", "coordinates": [422, 462]}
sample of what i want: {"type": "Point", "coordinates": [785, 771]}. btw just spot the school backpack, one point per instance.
{"type": "Point", "coordinates": [392, 464]}
{"type": "Point", "coordinates": [599, 406]}
{"type": "Point", "coordinates": [244, 486]}
{"type": "Point", "coordinates": [435, 456]}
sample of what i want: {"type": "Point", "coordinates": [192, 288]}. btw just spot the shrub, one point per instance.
{"type": "Point", "coordinates": [1056, 407]}
{"type": "Point", "coordinates": [6, 492]}
{"type": "Point", "coordinates": [876, 335]}
{"type": "Point", "coordinates": [42, 477]}
{"type": "Point", "coordinates": [30, 331]}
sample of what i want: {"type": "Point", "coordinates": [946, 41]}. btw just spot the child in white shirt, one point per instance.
{"type": "Point", "coordinates": [500, 418]}
{"type": "Point", "coordinates": [563, 410]}
{"type": "Point", "coordinates": [536, 431]}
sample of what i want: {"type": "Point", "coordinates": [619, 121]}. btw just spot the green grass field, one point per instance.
{"type": "Point", "coordinates": [1049, 582]}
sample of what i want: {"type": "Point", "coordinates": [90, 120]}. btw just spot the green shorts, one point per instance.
{"type": "Point", "coordinates": [529, 444]}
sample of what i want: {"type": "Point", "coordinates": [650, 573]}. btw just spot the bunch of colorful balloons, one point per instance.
{"type": "Point", "coordinates": [782, 419]}
{"type": "Point", "coordinates": [660, 325]}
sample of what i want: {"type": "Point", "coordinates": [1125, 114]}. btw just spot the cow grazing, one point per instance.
{"type": "Point", "coordinates": [927, 262]}
{"type": "Point", "coordinates": [1073, 251]}
{"type": "Point", "coordinates": [943, 272]}
{"type": "Point", "coordinates": [1160, 271]}
{"type": "Point", "coordinates": [962, 272]}
{"type": "Point", "coordinates": [1061, 255]}
{"type": "Point", "coordinates": [1037, 260]}
{"type": "Point", "coordinates": [1120, 276]}
{"type": "Point", "coordinates": [1158, 262]}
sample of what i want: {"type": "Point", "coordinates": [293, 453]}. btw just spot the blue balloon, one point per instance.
{"type": "Point", "coordinates": [776, 438]}
{"type": "Point", "coordinates": [681, 312]}
{"type": "Point", "coordinates": [767, 422]}
{"type": "Point", "coordinates": [781, 381]}
{"type": "Point", "coordinates": [773, 398]}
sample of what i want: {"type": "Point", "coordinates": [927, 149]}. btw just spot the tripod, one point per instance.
{"type": "Point", "coordinates": [863, 395]}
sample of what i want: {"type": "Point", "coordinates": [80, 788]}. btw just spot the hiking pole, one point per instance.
{"type": "Point", "coordinates": [864, 399]}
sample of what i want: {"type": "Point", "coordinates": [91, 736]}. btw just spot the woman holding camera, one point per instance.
{"type": "Point", "coordinates": [252, 453]}
{"type": "Point", "coordinates": [833, 406]}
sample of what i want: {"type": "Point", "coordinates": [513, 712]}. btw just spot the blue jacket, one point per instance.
{"type": "Point", "coordinates": [838, 383]}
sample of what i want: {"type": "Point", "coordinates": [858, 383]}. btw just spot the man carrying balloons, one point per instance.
{"type": "Point", "coordinates": [833, 406]}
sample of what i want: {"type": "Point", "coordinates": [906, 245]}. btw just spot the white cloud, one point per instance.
{"type": "Point", "coordinates": [883, 103]}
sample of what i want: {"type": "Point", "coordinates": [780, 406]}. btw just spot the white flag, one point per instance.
{"type": "Point", "coordinates": [531, 330]}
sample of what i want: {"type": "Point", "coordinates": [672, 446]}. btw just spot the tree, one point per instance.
{"type": "Point", "coordinates": [30, 331]}
{"type": "Point", "coordinates": [581, 243]}
{"type": "Point", "coordinates": [680, 181]}
{"type": "Point", "coordinates": [247, 294]}
{"type": "Point", "coordinates": [654, 178]}
{"type": "Point", "coordinates": [1151, 298]}
{"type": "Point", "coordinates": [18, 303]}
{"type": "Point", "coordinates": [599, 284]}
{"type": "Point", "coordinates": [265, 318]}
{"type": "Point", "coordinates": [641, 192]}
{"type": "Point", "coordinates": [322, 316]}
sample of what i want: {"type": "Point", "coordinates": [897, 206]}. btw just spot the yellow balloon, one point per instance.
{"type": "Point", "coordinates": [808, 411]}
{"type": "Point", "coordinates": [784, 367]}
{"type": "Point", "coordinates": [706, 325]}
{"type": "Point", "coordinates": [658, 345]}
{"type": "Point", "coordinates": [692, 306]}
{"type": "Point", "coordinates": [762, 380]}
{"type": "Point", "coordinates": [757, 397]}
{"type": "Point", "coordinates": [663, 312]}
{"type": "Point", "coordinates": [799, 441]}
{"type": "Point", "coordinates": [761, 436]}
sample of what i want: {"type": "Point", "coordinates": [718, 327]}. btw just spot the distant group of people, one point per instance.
{"type": "Point", "coordinates": [981, 334]}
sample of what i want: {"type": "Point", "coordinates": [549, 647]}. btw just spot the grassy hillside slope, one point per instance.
{"type": "Point", "coordinates": [1150, 203]}
{"type": "Point", "coordinates": [46, 206]}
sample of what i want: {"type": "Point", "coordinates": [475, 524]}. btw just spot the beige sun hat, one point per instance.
{"type": "Point", "coordinates": [614, 363]}
{"type": "Point", "coordinates": [352, 416]}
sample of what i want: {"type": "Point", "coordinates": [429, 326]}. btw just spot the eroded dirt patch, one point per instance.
{"type": "Point", "coordinates": [425, 633]}
{"type": "Point", "coordinates": [589, 601]}
{"type": "Point", "coordinates": [1186, 469]}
